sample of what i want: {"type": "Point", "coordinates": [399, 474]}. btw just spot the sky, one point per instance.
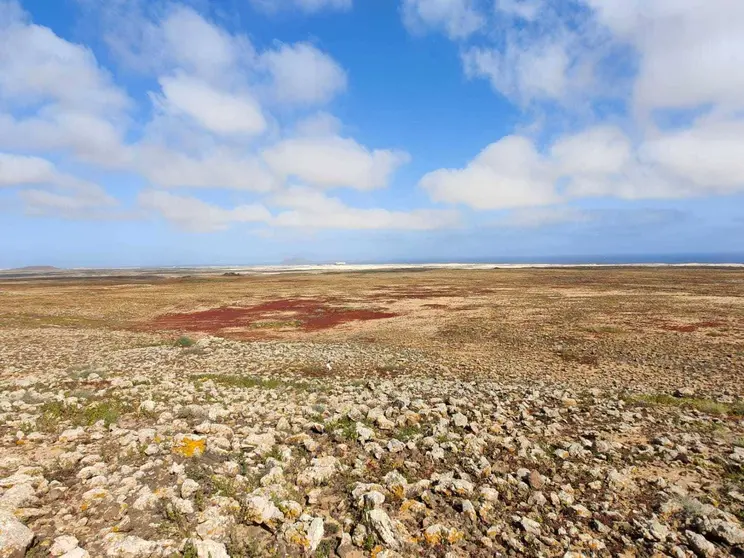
{"type": "Point", "coordinates": [236, 132]}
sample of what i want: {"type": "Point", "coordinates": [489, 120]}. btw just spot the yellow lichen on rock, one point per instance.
{"type": "Point", "coordinates": [189, 446]}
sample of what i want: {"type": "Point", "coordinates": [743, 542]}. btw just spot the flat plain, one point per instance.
{"type": "Point", "coordinates": [444, 412]}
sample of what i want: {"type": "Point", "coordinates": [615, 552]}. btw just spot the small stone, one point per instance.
{"type": "Point", "coordinates": [189, 488]}
{"type": "Point", "coordinates": [315, 533]}
{"type": "Point", "coordinates": [530, 526]}
{"type": "Point", "coordinates": [322, 469]}
{"type": "Point", "coordinates": [700, 545]}
{"type": "Point", "coordinates": [460, 420]}
{"type": "Point", "coordinates": [62, 545]}
{"type": "Point", "coordinates": [71, 434]}
{"type": "Point", "coordinates": [658, 531]}
{"type": "Point", "coordinates": [581, 511]}
{"type": "Point", "coordinates": [535, 480]}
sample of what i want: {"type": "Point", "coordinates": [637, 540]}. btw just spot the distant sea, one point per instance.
{"type": "Point", "coordinates": [624, 259]}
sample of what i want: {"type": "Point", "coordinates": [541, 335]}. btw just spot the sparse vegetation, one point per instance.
{"type": "Point", "coordinates": [185, 342]}
{"type": "Point", "coordinates": [707, 406]}
{"type": "Point", "coordinates": [54, 413]}
{"type": "Point", "coordinates": [345, 426]}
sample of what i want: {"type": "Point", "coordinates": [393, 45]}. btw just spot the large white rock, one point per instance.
{"type": "Point", "coordinates": [19, 496]}
{"type": "Point", "coordinates": [384, 527]}
{"type": "Point", "coordinates": [15, 537]}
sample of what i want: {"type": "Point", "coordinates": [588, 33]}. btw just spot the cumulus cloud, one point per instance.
{"type": "Point", "coordinates": [37, 66]}
{"type": "Point", "coordinates": [17, 170]}
{"type": "Point", "coordinates": [708, 154]}
{"type": "Point", "coordinates": [507, 174]}
{"type": "Point", "coordinates": [65, 195]}
{"type": "Point", "coordinates": [457, 18]}
{"type": "Point", "coordinates": [650, 56]}
{"type": "Point", "coordinates": [194, 215]}
{"type": "Point", "coordinates": [54, 95]}
{"type": "Point", "coordinates": [600, 161]}
{"type": "Point", "coordinates": [690, 52]}
{"type": "Point", "coordinates": [314, 210]}
{"type": "Point", "coordinates": [333, 162]}
{"type": "Point", "coordinates": [80, 206]}
{"type": "Point", "coordinates": [22, 170]}
{"type": "Point", "coordinates": [216, 111]}
{"type": "Point", "coordinates": [219, 168]}
{"type": "Point", "coordinates": [523, 73]}
{"type": "Point", "coordinates": [303, 74]}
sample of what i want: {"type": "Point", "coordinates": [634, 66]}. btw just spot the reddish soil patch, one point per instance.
{"type": "Point", "coordinates": [689, 328]}
{"type": "Point", "coordinates": [312, 315]}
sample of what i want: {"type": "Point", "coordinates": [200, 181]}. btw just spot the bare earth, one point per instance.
{"type": "Point", "coordinates": [429, 412]}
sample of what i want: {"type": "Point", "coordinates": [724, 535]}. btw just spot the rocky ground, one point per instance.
{"type": "Point", "coordinates": [228, 448]}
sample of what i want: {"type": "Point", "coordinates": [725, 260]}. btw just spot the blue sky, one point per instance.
{"type": "Point", "coordinates": [138, 132]}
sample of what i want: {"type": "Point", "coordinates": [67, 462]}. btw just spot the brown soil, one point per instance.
{"type": "Point", "coordinates": [689, 328]}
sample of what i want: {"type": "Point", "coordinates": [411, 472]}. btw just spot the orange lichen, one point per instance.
{"type": "Point", "coordinates": [190, 447]}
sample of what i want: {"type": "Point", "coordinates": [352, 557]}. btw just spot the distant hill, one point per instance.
{"type": "Point", "coordinates": [37, 268]}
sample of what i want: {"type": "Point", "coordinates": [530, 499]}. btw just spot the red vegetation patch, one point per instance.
{"type": "Point", "coordinates": [312, 315]}
{"type": "Point", "coordinates": [689, 328]}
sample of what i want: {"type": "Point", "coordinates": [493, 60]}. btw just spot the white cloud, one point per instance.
{"type": "Point", "coordinates": [86, 205]}
{"type": "Point", "coordinates": [219, 168]}
{"type": "Point", "coordinates": [523, 73]}
{"type": "Point", "coordinates": [320, 124]}
{"type": "Point", "coordinates": [70, 197]}
{"type": "Point", "coordinates": [61, 97]}
{"type": "Point", "coordinates": [313, 210]}
{"type": "Point", "coordinates": [89, 137]}
{"type": "Point", "coordinates": [709, 154]}
{"type": "Point", "coordinates": [156, 37]}
{"type": "Point", "coordinates": [303, 74]}
{"type": "Point", "coordinates": [508, 173]}
{"type": "Point", "coordinates": [18, 170]}
{"type": "Point", "coordinates": [308, 6]}
{"type": "Point", "coordinates": [37, 66]}
{"type": "Point", "coordinates": [600, 161]}
{"type": "Point", "coordinates": [597, 151]}
{"type": "Point", "coordinates": [333, 162]}
{"type": "Point", "coordinates": [194, 215]}
{"type": "Point", "coordinates": [216, 111]}
{"type": "Point", "coordinates": [457, 18]}
{"type": "Point", "coordinates": [691, 52]}
{"type": "Point", "coordinates": [23, 170]}
{"type": "Point", "coordinates": [523, 9]}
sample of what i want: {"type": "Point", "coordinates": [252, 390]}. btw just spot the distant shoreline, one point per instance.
{"type": "Point", "coordinates": [82, 272]}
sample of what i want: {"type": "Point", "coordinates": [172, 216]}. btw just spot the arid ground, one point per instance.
{"type": "Point", "coordinates": [520, 412]}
